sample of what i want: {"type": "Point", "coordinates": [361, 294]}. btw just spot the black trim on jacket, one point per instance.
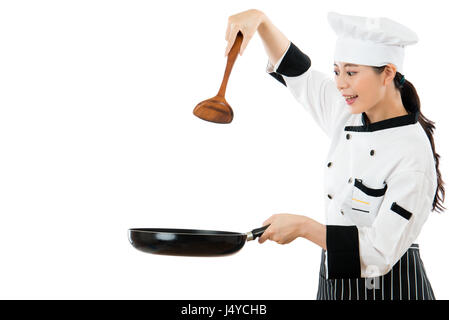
{"type": "Point", "coordinates": [294, 64]}
{"type": "Point", "coordinates": [410, 118]}
{"type": "Point", "coordinates": [401, 211]}
{"type": "Point", "coordinates": [370, 191]}
{"type": "Point", "coordinates": [278, 77]}
{"type": "Point", "coordinates": [343, 257]}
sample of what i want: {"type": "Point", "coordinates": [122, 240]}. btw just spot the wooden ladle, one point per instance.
{"type": "Point", "coordinates": [216, 109]}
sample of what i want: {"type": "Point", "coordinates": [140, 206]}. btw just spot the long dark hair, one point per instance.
{"type": "Point", "coordinates": [410, 100]}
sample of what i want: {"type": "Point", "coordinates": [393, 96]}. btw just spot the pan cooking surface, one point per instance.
{"type": "Point", "coordinates": [186, 231]}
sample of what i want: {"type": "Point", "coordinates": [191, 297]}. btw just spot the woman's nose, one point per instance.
{"type": "Point", "coordinates": [341, 84]}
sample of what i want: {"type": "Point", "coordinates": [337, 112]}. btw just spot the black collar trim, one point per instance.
{"type": "Point", "coordinates": [405, 120]}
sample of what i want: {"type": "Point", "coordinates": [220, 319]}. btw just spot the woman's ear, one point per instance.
{"type": "Point", "coordinates": [390, 73]}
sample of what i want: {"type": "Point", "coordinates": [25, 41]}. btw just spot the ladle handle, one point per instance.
{"type": "Point", "coordinates": [232, 56]}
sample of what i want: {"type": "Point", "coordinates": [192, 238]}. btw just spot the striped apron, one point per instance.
{"type": "Point", "coordinates": [407, 280]}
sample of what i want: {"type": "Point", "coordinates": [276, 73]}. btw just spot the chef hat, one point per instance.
{"type": "Point", "coordinates": [370, 41]}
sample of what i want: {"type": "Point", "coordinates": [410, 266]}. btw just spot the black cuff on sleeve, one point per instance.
{"type": "Point", "coordinates": [343, 257]}
{"type": "Point", "coordinates": [294, 64]}
{"type": "Point", "coordinates": [278, 77]}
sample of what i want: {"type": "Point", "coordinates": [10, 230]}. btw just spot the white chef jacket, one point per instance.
{"type": "Point", "coordinates": [380, 178]}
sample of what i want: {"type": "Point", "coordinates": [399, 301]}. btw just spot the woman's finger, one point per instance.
{"type": "Point", "coordinates": [231, 40]}
{"type": "Point", "coordinates": [266, 235]}
{"type": "Point", "coordinates": [228, 29]}
{"type": "Point", "coordinates": [245, 41]}
{"type": "Point", "coordinates": [268, 221]}
{"type": "Point", "coordinates": [263, 237]}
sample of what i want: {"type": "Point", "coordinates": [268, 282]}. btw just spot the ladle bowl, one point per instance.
{"type": "Point", "coordinates": [217, 109]}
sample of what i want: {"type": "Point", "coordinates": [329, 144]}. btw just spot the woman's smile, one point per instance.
{"type": "Point", "coordinates": [350, 98]}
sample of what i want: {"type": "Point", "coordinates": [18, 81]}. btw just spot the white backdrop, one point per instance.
{"type": "Point", "coordinates": [97, 136]}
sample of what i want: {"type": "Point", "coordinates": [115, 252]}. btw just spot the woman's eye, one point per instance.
{"type": "Point", "coordinates": [350, 73]}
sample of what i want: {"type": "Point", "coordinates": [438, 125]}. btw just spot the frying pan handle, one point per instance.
{"type": "Point", "coordinates": [253, 234]}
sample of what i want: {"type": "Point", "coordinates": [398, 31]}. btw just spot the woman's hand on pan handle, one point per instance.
{"type": "Point", "coordinates": [285, 227]}
{"type": "Point", "coordinates": [250, 21]}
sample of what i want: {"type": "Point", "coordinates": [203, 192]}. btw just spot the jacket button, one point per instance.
{"type": "Point", "coordinates": [329, 164]}
{"type": "Point", "coordinates": [372, 152]}
{"type": "Point", "coordinates": [329, 196]}
{"type": "Point", "coordinates": [350, 180]}
{"type": "Point", "coordinates": [341, 211]}
{"type": "Point", "coordinates": [348, 136]}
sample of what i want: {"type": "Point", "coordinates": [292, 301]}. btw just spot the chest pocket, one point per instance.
{"type": "Point", "coordinates": [365, 202]}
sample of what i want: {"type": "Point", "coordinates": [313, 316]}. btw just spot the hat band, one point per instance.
{"type": "Point", "coordinates": [368, 53]}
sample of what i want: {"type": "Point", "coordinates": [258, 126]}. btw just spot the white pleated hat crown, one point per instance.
{"type": "Point", "coordinates": [370, 41]}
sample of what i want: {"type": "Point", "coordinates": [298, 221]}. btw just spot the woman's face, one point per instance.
{"type": "Point", "coordinates": [362, 81]}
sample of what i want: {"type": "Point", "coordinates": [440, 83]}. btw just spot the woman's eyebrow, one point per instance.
{"type": "Point", "coordinates": [348, 65]}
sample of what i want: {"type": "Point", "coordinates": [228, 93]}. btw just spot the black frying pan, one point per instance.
{"type": "Point", "coordinates": [188, 242]}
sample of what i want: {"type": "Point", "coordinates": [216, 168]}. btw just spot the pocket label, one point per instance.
{"type": "Point", "coordinates": [365, 202]}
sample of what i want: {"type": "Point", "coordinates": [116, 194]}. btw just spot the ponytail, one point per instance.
{"type": "Point", "coordinates": [410, 100]}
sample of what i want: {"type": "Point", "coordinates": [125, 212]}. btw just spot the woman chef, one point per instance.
{"type": "Point", "coordinates": [381, 173]}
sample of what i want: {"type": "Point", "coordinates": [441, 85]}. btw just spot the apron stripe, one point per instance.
{"type": "Point", "coordinates": [335, 289]}
{"type": "Point", "coordinates": [412, 276]}
{"type": "Point", "coordinates": [392, 284]}
{"type": "Point", "coordinates": [400, 278]}
{"type": "Point", "coordinates": [350, 289]}
{"type": "Point", "coordinates": [383, 295]}
{"type": "Point", "coordinates": [407, 280]}
{"type": "Point", "coordinates": [387, 284]}
{"type": "Point", "coordinates": [424, 290]}
{"type": "Point", "coordinates": [342, 289]}
{"type": "Point", "coordinates": [416, 279]}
